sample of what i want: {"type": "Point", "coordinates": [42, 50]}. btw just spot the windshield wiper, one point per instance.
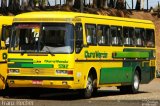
{"type": "Point", "coordinates": [49, 51]}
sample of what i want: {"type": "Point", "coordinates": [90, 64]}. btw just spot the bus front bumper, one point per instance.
{"type": "Point", "coordinates": [41, 82]}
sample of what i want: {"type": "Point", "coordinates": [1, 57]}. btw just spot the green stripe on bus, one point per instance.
{"type": "Point", "coordinates": [116, 75]}
{"type": "Point", "coordinates": [33, 61]}
{"type": "Point", "coordinates": [131, 55]}
{"type": "Point", "coordinates": [18, 64]}
{"type": "Point", "coordinates": [36, 65]}
{"type": "Point", "coordinates": [30, 65]}
{"type": "Point", "coordinates": [21, 59]}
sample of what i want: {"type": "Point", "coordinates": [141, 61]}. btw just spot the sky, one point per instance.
{"type": "Point", "coordinates": [152, 3]}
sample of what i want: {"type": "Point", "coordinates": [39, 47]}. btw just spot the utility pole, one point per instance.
{"type": "Point", "coordinates": [158, 9]}
{"type": "Point", "coordinates": [147, 5]}
{"type": "Point", "coordinates": [138, 5]}
{"type": "Point", "coordinates": [132, 5]}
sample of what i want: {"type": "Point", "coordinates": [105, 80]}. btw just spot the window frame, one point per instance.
{"type": "Point", "coordinates": [107, 39]}
{"type": "Point", "coordinates": [132, 37]}
{"type": "Point", "coordinates": [82, 39]}
{"type": "Point", "coordinates": [121, 37]}
{"type": "Point", "coordinates": [92, 44]}
{"type": "Point", "coordinates": [153, 38]}
{"type": "Point", "coordinates": [142, 37]}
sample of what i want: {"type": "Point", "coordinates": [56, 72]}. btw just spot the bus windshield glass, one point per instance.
{"type": "Point", "coordinates": [44, 38]}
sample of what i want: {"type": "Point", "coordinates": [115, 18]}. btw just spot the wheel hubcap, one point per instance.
{"type": "Point", "coordinates": [89, 85]}
{"type": "Point", "coordinates": [136, 82]}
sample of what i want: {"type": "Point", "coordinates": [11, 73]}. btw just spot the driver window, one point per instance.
{"type": "Point", "coordinates": [79, 37]}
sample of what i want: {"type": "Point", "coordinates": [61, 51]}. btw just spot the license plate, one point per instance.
{"type": "Point", "coordinates": [37, 82]}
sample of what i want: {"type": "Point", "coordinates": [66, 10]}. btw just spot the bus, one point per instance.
{"type": "Point", "coordinates": [78, 51]}
{"type": "Point", "coordinates": [5, 28]}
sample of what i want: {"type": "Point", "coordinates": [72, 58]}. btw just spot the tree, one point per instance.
{"type": "Point", "coordinates": [105, 4]}
{"type": "Point", "coordinates": [31, 3]}
{"type": "Point", "coordinates": [111, 3]}
{"type": "Point", "coordinates": [4, 7]}
{"type": "Point", "coordinates": [138, 5]}
{"type": "Point", "coordinates": [14, 6]}
{"type": "Point", "coordinates": [120, 4]}
{"type": "Point", "coordinates": [24, 5]}
{"type": "Point", "coordinates": [77, 4]}
{"type": "Point", "coordinates": [95, 3]}
{"type": "Point", "coordinates": [42, 4]}
{"type": "Point", "coordinates": [102, 4]}
{"type": "Point", "coordinates": [69, 2]}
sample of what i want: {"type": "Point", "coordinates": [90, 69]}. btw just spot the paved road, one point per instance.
{"type": "Point", "coordinates": [149, 95]}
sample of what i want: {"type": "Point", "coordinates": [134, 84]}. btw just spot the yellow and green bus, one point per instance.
{"type": "Point", "coordinates": [5, 28]}
{"type": "Point", "coordinates": [68, 50]}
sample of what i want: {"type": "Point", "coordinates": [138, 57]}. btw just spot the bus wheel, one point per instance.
{"type": "Point", "coordinates": [135, 84]}
{"type": "Point", "coordinates": [134, 87]}
{"type": "Point", "coordinates": [87, 92]}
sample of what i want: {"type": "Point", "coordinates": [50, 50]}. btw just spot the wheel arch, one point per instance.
{"type": "Point", "coordinates": [92, 71]}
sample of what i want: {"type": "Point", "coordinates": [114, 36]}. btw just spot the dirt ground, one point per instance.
{"type": "Point", "coordinates": [149, 91]}
{"type": "Point", "coordinates": [149, 95]}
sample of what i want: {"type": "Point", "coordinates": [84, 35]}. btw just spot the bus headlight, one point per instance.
{"type": "Point", "coordinates": [13, 71]}
{"type": "Point", "coordinates": [67, 72]}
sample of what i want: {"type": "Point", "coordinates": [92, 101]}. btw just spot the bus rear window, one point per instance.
{"type": "Point", "coordinates": [150, 41]}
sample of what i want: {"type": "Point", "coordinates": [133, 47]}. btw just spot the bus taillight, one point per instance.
{"type": "Point", "coordinates": [70, 72]}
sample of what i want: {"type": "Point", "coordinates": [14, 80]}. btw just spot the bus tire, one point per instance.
{"type": "Point", "coordinates": [134, 87]}
{"type": "Point", "coordinates": [87, 92]}
{"type": "Point", "coordinates": [135, 83]}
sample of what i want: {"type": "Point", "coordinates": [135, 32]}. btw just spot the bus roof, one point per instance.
{"type": "Point", "coordinates": [6, 20]}
{"type": "Point", "coordinates": [69, 15]}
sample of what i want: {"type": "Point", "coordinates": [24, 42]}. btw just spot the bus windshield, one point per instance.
{"type": "Point", "coordinates": [44, 38]}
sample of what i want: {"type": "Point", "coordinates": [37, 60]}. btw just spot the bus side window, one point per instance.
{"type": "Point", "coordinates": [139, 37]}
{"type": "Point", "coordinates": [116, 34]}
{"type": "Point", "coordinates": [150, 42]}
{"type": "Point", "coordinates": [79, 37]}
{"type": "Point", "coordinates": [128, 34]}
{"type": "Point", "coordinates": [91, 34]}
{"type": "Point", "coordinates": [103, 35]}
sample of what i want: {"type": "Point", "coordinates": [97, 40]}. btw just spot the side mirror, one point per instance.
{"type": "Point", "coordinates": [7, 42]}
{"type": "Point", "coordinates": [6, 32]}
{"type": "Point", "coordinates": [4, 28]}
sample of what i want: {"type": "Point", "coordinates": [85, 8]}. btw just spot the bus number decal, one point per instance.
{"type": "Point", "coordinates": [63, 65]}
